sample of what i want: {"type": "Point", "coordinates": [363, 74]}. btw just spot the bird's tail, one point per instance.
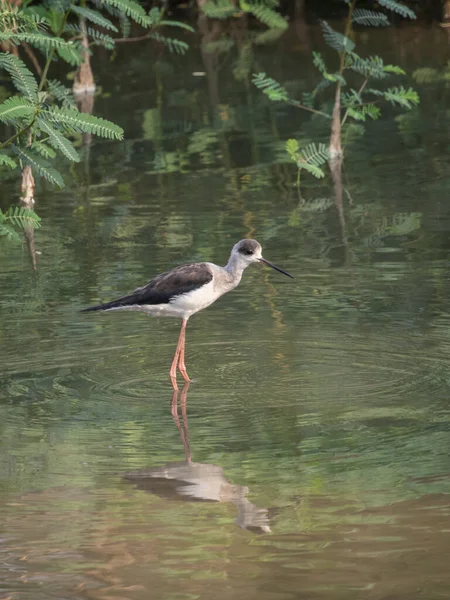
{"type": "Point", "coordinates": [106, 306]}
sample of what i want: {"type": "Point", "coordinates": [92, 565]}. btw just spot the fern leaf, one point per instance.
{"type": "Point", "coordinates": [219, 9]}
{"type": "Point", "coordinates": [351, 98]}
{"type": "Point", "coordinates": [374, 92]}
{"type": "Point", "coordinates": [313, 169]}
{"type": "Point", "coordinates": [58, 141]}
{"type": "Point", "coordinates": [270, 87]}
{"type": "Point", "coordinates": [20, 217]}
{"type": "Point", "coordinates": [55, 19]}
{"type": "Point", "coordinates": [372, 111]}
{"type": "Point", "coordinates": [43, 149]}
{"type": "Point", "coordinates": [361, 113]}
{"type": "Point", "coordinates": [319, 62]}
{"type": "Point", "coordinates": [125, 25]}
{"type": "Point", "coordinates": [179, 24]}
{"type": "Point", "coordinates": [7, 161]}
{"type": "Point", "coordinates": [292, 148]}
{"type": "Point", "coordinates": [39, 40]}
{"type": "Point", "coordinates": [174, 45]}
{"type": "Point", "coordinates": [93, 16]}
{"type": "Point", "coordinates": [82, 122]}
{"type": "Point", "coordinates": [71, 54]}
{"type": "Point", "coordinates": [426, 75]}
{"type": "Point", "coordinates": [394, 69]}
{"type": "Point", "coordinates": [269, 17]}
{"type": "Point", "coordinates": [60, 6]}
{"type": "Point", "coordinates": [336, 40]}
{"type": "Point", "coordinates": [9, 232]}
{"type": "Point", "coordinates": [100, 38]}
{"type": "Point", "coordinates": [22, 77]}
{"type": "Point", "coordinates": [371, 66]}
{"type": "Point", "coordinates": [16, 107]}
{"type": "Point", "coordinates": [369, 18]}
{"type": "Point", "coordinates": [400, 9]}
{"type": "Point", "coordinates": [399, 95]}
{"type": "Point", "coordinates": [61, 93]}
{"type": "Point", "coordinates": [310, 158]}
{"type": "Point", "coordinates": [131, 9]}
{"type": "Point", "coordinates": [40, 165]}
{"type": "Point", "coordinates": [308, 99]}
{"type": "Point", "coordinates": [315, 154]}
{"type": "Point", "coordinates": [268, 36]}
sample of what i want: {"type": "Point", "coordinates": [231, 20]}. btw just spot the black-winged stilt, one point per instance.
{"type": "Point", "coordinates": [184, 290]}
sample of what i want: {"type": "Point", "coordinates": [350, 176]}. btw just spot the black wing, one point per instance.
{"type": "Point", "coordinates": [163, 288]}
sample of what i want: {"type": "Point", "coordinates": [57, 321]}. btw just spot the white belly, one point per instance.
{"type": "Point", "coordinates": [187, 304]}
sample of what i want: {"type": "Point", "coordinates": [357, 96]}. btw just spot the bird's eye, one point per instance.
{"type": "Point", "coordinates": [247, 252]}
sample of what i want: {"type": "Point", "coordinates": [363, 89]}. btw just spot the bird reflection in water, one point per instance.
{"type": "Point", "coordinates": [193, 481]}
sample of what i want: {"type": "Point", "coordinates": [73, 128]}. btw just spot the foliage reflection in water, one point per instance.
{"type": "Point", "coordinates": [326, 398]}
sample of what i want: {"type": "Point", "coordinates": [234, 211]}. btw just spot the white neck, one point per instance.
{"type": "Point", "coordinates": [236, 265]}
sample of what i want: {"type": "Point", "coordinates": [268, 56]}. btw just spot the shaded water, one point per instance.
{"type": "Point", "coordinates": [319, 421]}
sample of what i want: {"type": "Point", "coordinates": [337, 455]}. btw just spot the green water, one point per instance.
{"type": "Point", "coordinates": [318, 423]}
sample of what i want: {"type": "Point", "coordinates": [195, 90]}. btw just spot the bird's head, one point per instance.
{"type": "Point", "coordinates": [250, 251]}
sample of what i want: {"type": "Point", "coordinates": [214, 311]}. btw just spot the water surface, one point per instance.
{"type": "Point", "coordinates": [318, 424]}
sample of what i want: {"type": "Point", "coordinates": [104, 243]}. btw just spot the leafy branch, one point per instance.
{"type": "Point", "coordinates": [359, 104]}
{"type": "Point", "coordinates": [17, 218]}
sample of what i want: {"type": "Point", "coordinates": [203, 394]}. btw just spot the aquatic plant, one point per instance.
{"type": "Point", "coordinates": [43, 114]}
{"type": "Point", "coordinates": [263, 10]}
{"type": "Point", "coordinates": [16, 218]}
{"type": "Point", "coordinates": [350, 109]}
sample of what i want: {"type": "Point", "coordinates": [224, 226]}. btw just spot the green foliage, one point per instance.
{"type": "Point", "coordinates": [7, 161]}
{"type": "Point", "coordinates": [71, 54]}
{"type": "Point", "coordinates": [319, 63]}
{"type": "Point", "coordinates": [74, 121]}
{"type": "Point", "coordinates": [267, 15]}
{"type": "Point", "coordinates": [43, 149]}
{"type": "Point", "coordinates": [218, 9]}
{"type": "Point", "coordinates": [23, 78]}
{"type": "Point", "coordinates": [310, 158]}
{"type": "Point", "coordinates": [426, 75]}
{"type": "Point", "coordinates": [17, 218]}
{"type": "Point", "coordinates": [405, 97]}
{"type": "Point", "coordinates": [361, 113]}
{"type": "Point", "coordinates": [270, 87]}
{"type": "Point", "coordinates": [336, 40]}
{"type": "Point", "coordinates": [402, 10]}
{"type": "Point", "coordinates": [372, 66]}
{"type": "Point", "coordinates": [94, 16]}
{"type": "Point", "coordinates": [131, 9]}
{"type": "Point", "coordinates": [95, 37]}
{"type": "Point", "coordinates": [44, 113]}
{"type": "Point", "coordinates": [57, 140]}
{"type": "Point", "coordinates": [176, 46]}
{"type": "Point", "coordinates": [29, 157]}
{"type": "Point", "coordinates": [17, 108]}
{"type": "Point", "coordinates": [369, 18]}
{"type": "Point", "coordinates": [39, 40]}
{"type": "Point", "coordinates": [354, 104]}
{"type": "Point", "coordinates": [61, 94]}
{"type": "Point", "coordinates": [263, 10]}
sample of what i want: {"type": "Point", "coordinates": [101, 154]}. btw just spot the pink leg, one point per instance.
{"type": "Point", "coordinates": [173, 368]}
{"type": "Point", "coordinates": [181, 365]}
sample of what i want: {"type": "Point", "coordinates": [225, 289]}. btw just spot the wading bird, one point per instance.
{"type": "Point", "coordinates": [184, 290]}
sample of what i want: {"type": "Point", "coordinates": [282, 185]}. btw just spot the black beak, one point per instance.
{"type": "Point", "coordinates": [269, 264]}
